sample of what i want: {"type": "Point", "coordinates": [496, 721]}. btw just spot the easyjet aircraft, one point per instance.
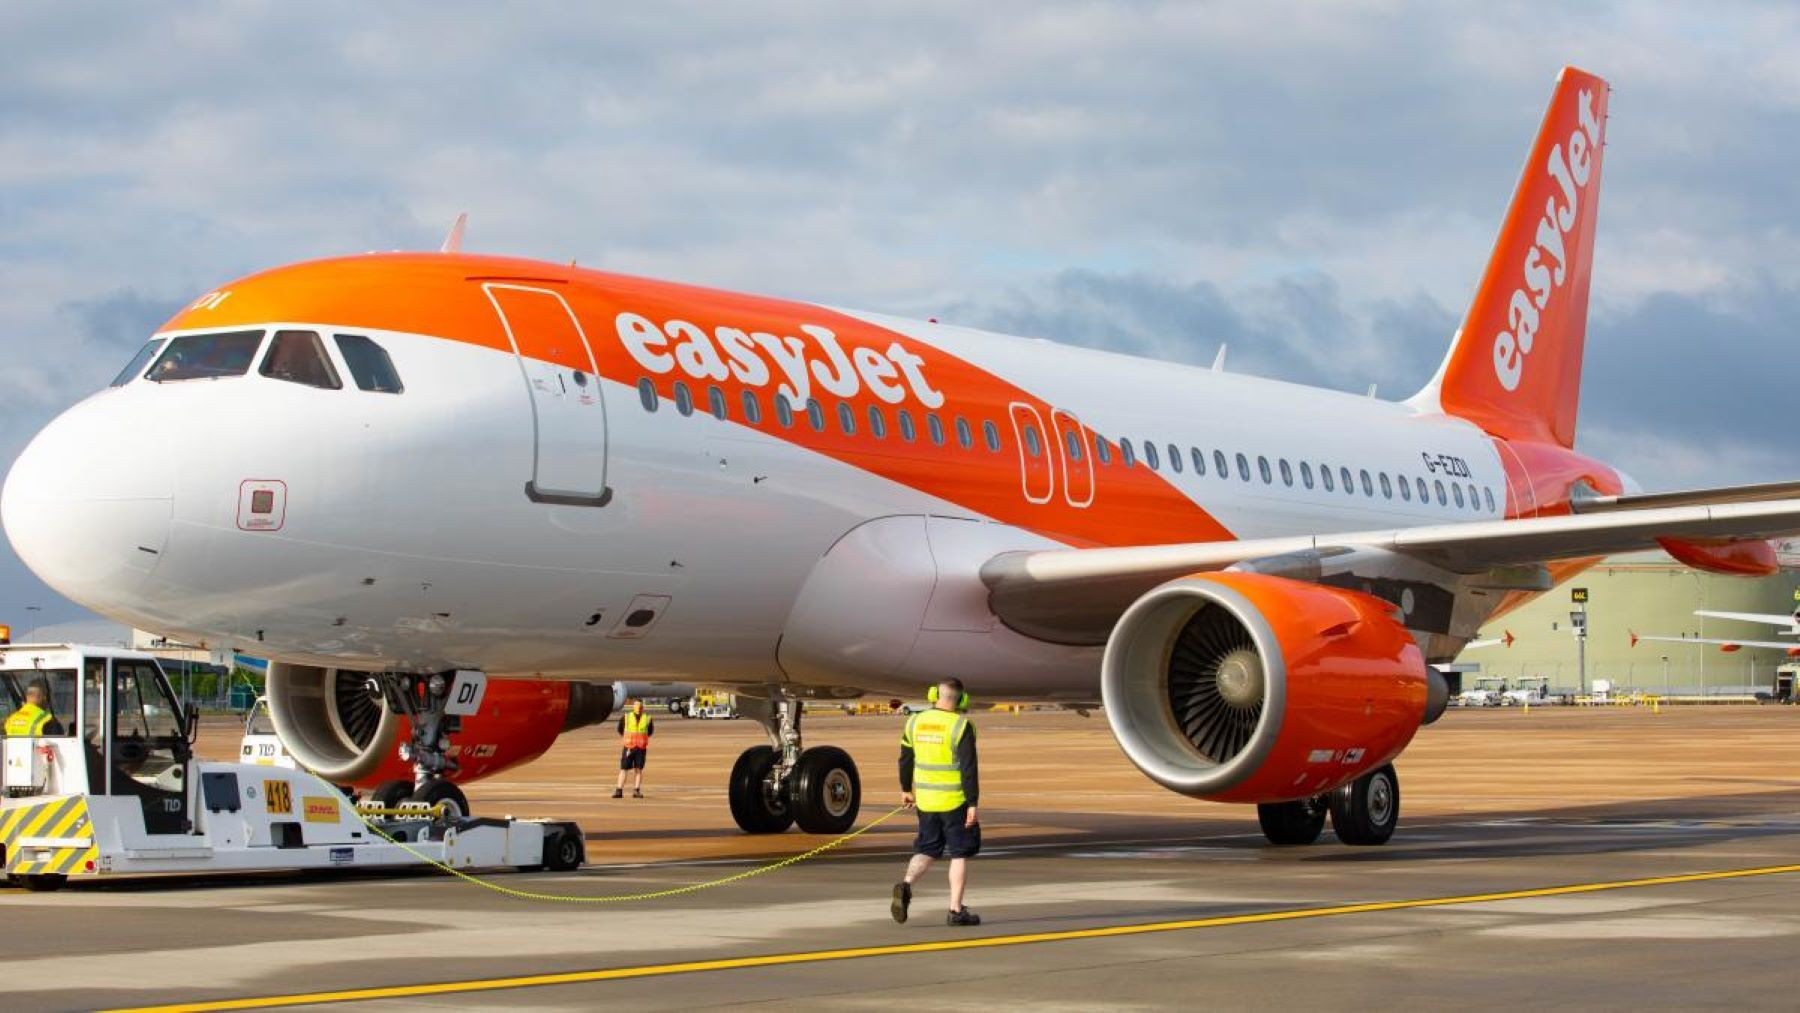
{"type": "Point", "coordinates": [417, 471]}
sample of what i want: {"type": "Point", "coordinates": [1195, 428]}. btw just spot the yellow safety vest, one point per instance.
{"type": "Point", "coordinates": [637, 730]}
{"type": "Point", "coordinates": [27, 720]}
{"type": "Point", "coordinates": [937, 776]}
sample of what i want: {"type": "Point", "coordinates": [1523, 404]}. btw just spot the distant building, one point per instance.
{"type": "Point", "coordinates": [1647, 593]}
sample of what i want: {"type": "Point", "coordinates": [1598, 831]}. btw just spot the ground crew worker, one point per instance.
{"type": "Point", "coordinates": [938, 775]}
{"type": "Point", "coordinates": [33, 718]}
{"type": "Point", "coordinates": [635, 727]}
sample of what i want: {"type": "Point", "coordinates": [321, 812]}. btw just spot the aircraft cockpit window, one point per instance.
{"type": "Point", "coordinates": [299, 357]}
{"type": "Point", "coordinates": [369, 364]}
{"type": "Point", "coordinates": [206, 356]}
{"type": "Point", "coordinates": [138, 362]}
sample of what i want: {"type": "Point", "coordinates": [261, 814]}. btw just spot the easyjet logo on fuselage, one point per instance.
{"type": "Point", "coordinates": [794, 364]}
{"type": "Point", "coordinates": [1547, 261]}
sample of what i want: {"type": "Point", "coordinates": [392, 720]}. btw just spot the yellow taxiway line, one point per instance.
{"type": "Point", "coordinates": [943, 945]}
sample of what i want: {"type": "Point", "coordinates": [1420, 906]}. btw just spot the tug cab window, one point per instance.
{"type": "Point", "coordinates": [206, 356]}
{"type": "Point", "coordinates": [299, 357]}
{"type": "Point", "coordinates": [138, 362]}
{"type": "Point", "coordinates": [369, 364]}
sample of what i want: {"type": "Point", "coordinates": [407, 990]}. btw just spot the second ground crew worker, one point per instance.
{"type": "Point", "coordinates": [938, 775]}
{"type": "Point", "coordinates": [33, 718]}
{"type": "Point", "coordinates": [635, 727]}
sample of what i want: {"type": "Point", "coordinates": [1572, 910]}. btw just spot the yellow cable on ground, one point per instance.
{"type": "Point", "coordinates": [651, 895]}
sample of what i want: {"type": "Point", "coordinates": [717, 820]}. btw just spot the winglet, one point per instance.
{"type": "Point", "coordinates": [453, 241]}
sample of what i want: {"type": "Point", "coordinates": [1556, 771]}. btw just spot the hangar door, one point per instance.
{"type": "Point", "coordinates": [561, 378]}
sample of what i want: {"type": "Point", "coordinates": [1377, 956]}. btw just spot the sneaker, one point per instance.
{"type": "Point", "coordinates": [618, 793]}
{"type": "Point", "coordinates": [963, 917]}
{"type": "Point", "coordinates": [637, 793]}
{"type": "Point", "coordinates": [902, 900]}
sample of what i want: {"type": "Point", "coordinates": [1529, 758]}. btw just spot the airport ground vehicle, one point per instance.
{"type": "Point", "coordinates": [112, 788]}
{"type": "Point", "coordinates": [535, 470]}
{"type": "Point", "coordinates": [1486, 691]}
{"type": "Point", "coordinates": [1527, 690]}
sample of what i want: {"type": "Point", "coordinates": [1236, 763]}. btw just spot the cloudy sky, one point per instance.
{"type": "Point", "coordinates": [1318, 185]}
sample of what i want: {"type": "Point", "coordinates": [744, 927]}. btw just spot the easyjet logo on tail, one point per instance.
{"type": "Point", "coordinates": [794, 364]}
{"type": "Point", "coordinates": [1546, 263]}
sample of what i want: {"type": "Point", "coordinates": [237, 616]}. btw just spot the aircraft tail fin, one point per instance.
{"type": "Point", "coordinates": [1514, 367]}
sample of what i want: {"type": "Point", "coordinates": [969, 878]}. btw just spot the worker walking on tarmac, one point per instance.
{"type": "Point", "coordinates": [34, 718]}
{"type": "Point", "coordinates": [635, 727]}
{"type": "Point", "coordinates": [938, 775]}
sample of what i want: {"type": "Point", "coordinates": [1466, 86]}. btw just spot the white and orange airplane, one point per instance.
{"type": "Point", "coordinates": [414, 472]}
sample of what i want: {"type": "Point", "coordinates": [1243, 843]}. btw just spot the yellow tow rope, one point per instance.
{"type": "Point", "coordinates": [617, 898]}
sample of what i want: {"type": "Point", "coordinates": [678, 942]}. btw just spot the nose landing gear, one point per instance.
{"type": "Point", "coordinates": [424, 701]}
{"type": "Point", "coordinates": [778, 785]}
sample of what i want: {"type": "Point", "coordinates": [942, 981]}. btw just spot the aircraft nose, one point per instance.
{"type": "Point", "coordinates": [87, 504]}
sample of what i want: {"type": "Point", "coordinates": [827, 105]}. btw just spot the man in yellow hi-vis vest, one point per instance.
{"type": "Point", "coordinates": [635, 729]}
{"type": "Point", "coordinates": [33, 718]}
{"type": "Point", "coordinates": [938, 775]}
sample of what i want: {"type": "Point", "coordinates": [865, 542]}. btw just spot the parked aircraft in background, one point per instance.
{"type": "Point", "coordinates": [425, 470]}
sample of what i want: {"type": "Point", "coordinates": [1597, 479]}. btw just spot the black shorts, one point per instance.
{"type": "Point", "coordinates": [632, 759]}
{"type": "Point", "coordinates": [944, 833]}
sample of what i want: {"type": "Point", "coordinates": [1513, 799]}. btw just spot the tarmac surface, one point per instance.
{"type": "Point", "coordinates": [1595, 858]}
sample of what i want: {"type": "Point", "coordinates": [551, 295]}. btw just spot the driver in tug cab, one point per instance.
{"type": "Point", "coordinates": [34, 717]}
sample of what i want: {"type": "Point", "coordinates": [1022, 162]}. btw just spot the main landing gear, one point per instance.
{"type": "Point", "coordinates": [422, 700]}
{"type": "Point", "coordinates": [778, 785]}
{"type": "Point", "coordinates": [1363, 812]}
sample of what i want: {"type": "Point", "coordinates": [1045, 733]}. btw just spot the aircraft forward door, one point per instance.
{"type": "Point", "coordinates": [562, 379]}
{"type": "Point", "coordinates": [1037, 471]}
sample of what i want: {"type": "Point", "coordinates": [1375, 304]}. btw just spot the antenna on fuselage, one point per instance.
{"type": "Point", "coordinates": [453, 241]}
{"type": "Point", "coordinates": [1219, 359]}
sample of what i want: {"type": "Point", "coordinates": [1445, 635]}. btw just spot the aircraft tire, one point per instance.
{"type": "Point", "coordinates": [755, 811]}
{"type": "Point", "coordinates": [1366, 811]}
{"type": "Point", "coordinates": [825, 792]}
{"type": "Point", "coordinates": [439, 791]}
{"type": "Point", "coordinates": [1291, 823]}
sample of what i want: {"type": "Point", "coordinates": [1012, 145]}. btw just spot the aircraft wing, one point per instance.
{"type": "Point", "coordinates": [1779, 645]}
{"type": "Point", "coordinates": [1766, 618]}
{"type": "Point", "coordinates": [1075, 595]}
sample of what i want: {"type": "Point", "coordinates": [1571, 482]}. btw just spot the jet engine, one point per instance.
{"type": "Point", "coordinates": [333, 722]}
{"type": "Point", "coordinates": [1243, 687]}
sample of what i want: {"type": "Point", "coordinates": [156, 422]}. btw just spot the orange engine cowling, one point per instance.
{"type": "Point", "coordinates": [1241, 687]}
{"type": "Point", "coordinates": [332, 724]}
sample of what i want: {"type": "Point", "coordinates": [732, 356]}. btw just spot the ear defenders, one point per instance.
{"type": "Point", "coordinates": [962, 704]}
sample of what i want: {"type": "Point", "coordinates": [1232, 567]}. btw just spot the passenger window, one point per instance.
{"type": "Point", "coordinates": [1126, 454]}
{"type": "Point", "coordinates": [1199, 461]}
{"type": "Point", "coordinates": [846, 418]}
{"type": "Point", "coordinates": [963, 435]}
{"type": "Point", "coordinates": [1424, 494]}
{"type": "Point", "coordinates": [716, 399]}
{"type": "Point", "coordinates": [369, 364]}
{"type": "Point", "coordinates": [1349, 483]}
{"type": "Point", "coordinates": [1262, 467]}
{"type": "Point", "coordinates": [1438, 484]}
{"type": "Point", "coordinates": [1220, 468]}
{"type": "Point", "coordinates": [1150, 455]}
{"type": "Point", "coordinates": [684, 398]}
{"type": "Point", "coordinates": [1325, 477]}
{"type": "Point", "coordinates": [1367, 486]}
{"type": "Point", "coordinates": [1457, 489]}
{"type": "Point", "coordinates": [1033, 444]}
{"type": "Point", "coordinates": [1405, 488]}
{"type": "Point", "coordinates": [784, 412]}
{"type": "Point", "coordinates": [207, 356]}
{"type": "Point", "coordinates": [299, 357]}
{"type": "Point", "coordinates": [1387, 487]}
{"type": "Point", "coordinates": [815, 414]}
{"type": "Point", "coordinates": [1073, 441]}
{"type": "Point", "coordinates": [752, 407]}
{"type": "Point", "coordinates": [992, 433]}
{"type": "Point", "coordinates": [935, 427]}
{"type": "Point", "coordinates": [877, 422]}
{"type": "Point", "coordinates": [138, 362]}
{"type": "Point", "coordinates": [1243, 464]}
{"type": "Point", "coordinates": [1102, 451]}
{"type": "Point", "coordinates": [1174, 457]}
{"type": "Point", "coordinates": [1487, 494]}
{"type": "Point", "coordinates": [1287, 472]}
{"type": "Point", "coordinates": [647, 394]}
{"type": "Point", "coordinates": [907, 432]}
{"type": "Point", "coordinates": [1306, 474]}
